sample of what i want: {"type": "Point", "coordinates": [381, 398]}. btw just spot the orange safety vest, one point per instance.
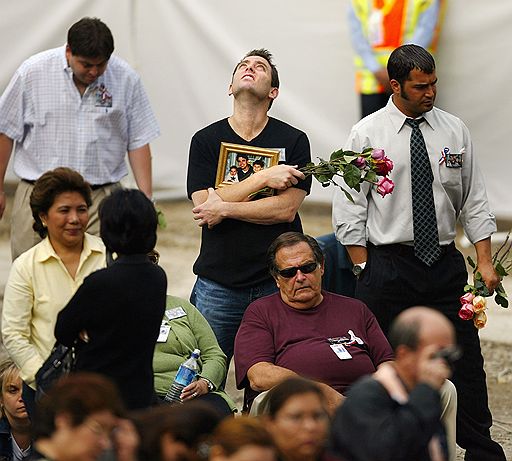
{"type": "Point", "coordinates": [398, 20]}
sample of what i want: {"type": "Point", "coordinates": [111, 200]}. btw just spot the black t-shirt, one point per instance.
{"type": "Point", "coordinates": [233, 253]}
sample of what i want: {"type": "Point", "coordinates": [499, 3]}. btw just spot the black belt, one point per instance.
{"type": "Point", "coordinates": [401, 249]}
{"type": "Point", "coordinates": [93, 186]}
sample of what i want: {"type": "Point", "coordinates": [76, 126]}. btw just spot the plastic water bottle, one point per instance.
{"type": "Point", "coordinates": [186, 374]}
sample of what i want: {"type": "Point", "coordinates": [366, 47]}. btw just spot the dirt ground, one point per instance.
{"type": "Point", "coordinates": [179, 245]}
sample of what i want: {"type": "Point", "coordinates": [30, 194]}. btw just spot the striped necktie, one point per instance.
{"type": "Point", "coordinates": [426, 237]}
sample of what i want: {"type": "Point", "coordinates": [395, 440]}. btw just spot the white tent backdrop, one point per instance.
{"type": "Point", "coordinates": [185, 51]}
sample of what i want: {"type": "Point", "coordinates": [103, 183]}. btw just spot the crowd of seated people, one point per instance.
{"type": "Point", "coordinates": [301, 349]}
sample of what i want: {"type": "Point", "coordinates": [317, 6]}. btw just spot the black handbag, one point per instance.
{"type": "Point", "coordinates": [60, 362]}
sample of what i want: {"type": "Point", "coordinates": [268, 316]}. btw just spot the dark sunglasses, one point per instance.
{"type": "Point", "coordinates": [290, 272]}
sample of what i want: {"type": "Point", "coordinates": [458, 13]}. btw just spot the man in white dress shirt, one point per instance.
{"type": "Point", "coordinates": [383, 235]}
{"type": "Point", "coordinates": [75, 106]}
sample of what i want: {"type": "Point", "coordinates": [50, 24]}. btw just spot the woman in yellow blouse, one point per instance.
{"type": "Point", "coordinates": [43, 279]}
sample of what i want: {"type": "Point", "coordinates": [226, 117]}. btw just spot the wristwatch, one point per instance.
{"type": "Point", "coordinates": [210, 385]}
{"type": "Point", "coordinates": [358, 268]}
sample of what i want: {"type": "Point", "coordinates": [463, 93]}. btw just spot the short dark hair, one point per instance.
{"type": "Point", "coordinates": [406, 58]}
{"type": "Point", "coordinates": [233, 434]}
{"type": "Point", "coordinates": [49, 186]}
{"type": "Point", "coordinates": [128, 222]}
{"type": "Point", "coordinates": [77, 395]}
{"type": "Point", "coordinates": [258, 162]}
{"type": "Point", "coordinates": [404, 332]}
{"type": "Point", "coordinates": [267, 55]}
{"type": "Point", "coordinates": [91, 38]}
{"type": "Point", "coordinates": [190, 423]}
{"type": "Point", "coordinates": [240, 155]}
{"type": "Point", "coordinates": [289, 239]}
{"type": "Point", "coordinates": [282, 392]}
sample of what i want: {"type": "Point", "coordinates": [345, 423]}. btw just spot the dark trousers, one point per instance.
{"type": "Point", "coordinates": [393, 280]}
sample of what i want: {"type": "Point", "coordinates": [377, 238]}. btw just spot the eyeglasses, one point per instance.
{"type": "Point", "coordinates": [290, 272]}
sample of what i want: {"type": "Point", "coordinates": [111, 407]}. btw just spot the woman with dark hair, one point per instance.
{"type": "Point", "coordinates": [175, 432]}
{"type": "Point", "coordinates": [79, 419]}
{"type": "Point", "coordinates": [115, 315]}
{"type": "Point", "coordinates": [242, 439]}
{"type": "Point", "coordinates": [15, 439]}
{"type": "Point", "coordinates": [43, 279]}
{"type": "Point", "coordinates": [296, 415]}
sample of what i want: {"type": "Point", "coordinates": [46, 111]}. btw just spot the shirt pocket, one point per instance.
{"type": "Point", "coordinates": [450, 177]}
{"type": "Point", "coordinates": [451, 184]}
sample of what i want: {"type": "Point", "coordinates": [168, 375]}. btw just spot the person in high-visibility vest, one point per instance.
{"type": "Point", "coordinates": [377, 27]}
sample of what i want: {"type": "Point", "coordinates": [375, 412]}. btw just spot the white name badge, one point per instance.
{"type": "Point", "coordinates": [175, 313]}
{"type": "Point", "coordinates": [164, 333]}
{"type": "Point", "coordinates": [340, 351]}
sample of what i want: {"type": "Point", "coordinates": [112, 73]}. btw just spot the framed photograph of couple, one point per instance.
{"type": "Point", "coordinates": [237, 162]}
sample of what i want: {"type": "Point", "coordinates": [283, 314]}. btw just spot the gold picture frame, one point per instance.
{"type": "Point", "coordinates": [232, 156]}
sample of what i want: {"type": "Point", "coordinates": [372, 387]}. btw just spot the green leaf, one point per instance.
{"type": "Point", "coordinates": [469, 288]}
{"type": "Point", "coordinates": [352, 176]}
{"type": "Point", "coordinates": [479, 284]}
{"type": "Point", "coordinates": [350, 158]}
{"type": "Point", "coordinates": [500, 290]}
{"type": "Point", "coordinates": [347, 194]}
{"type": "Point", "coordinates": [322, 178]}
{"type": "Point", "coordinates": [478, 276]}
{"type": "Point", "coordinates": [371, 176]}
{"type": "Point", "coordinates": [481, 288]}
{"type": "Point", "coordinates": [332, 169]}
{"type": "Point", "coordinates": [162, 222]}
{"type": "Point", "coordinates": [367, 150]}
{"type": "Point", "coordinates": [337, 154]}
{"type": "Point", "coordinates": [471, 262]}
{"type": "Point", "coordinates": [500, 270]}
{"type": "Point", "coordinates": [503, 302]}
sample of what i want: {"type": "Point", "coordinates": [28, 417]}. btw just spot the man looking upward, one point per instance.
{"type": "Point", "coordinates": [236, 231]}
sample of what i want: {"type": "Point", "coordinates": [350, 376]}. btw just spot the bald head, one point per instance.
{"type": "Point", "coordinates": [420, 326]}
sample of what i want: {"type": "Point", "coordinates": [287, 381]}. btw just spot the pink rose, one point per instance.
{"type": "Point", "coordinates": [480, 320]}
{"type": "Point", "coordinates": [385, 186]}
{"type": "Point", "coordinates": [378, 154]}
{"type": "Point", "coordinates": [466, 312]}
{"type": "Point", "coordinates": [384, 166]}
{"type": "Point", "coordinates": [467, 298]}
{"type": "Point", "coordinates": [478, 303]}
{"type": "Point", "coordinates": [360, 162]}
